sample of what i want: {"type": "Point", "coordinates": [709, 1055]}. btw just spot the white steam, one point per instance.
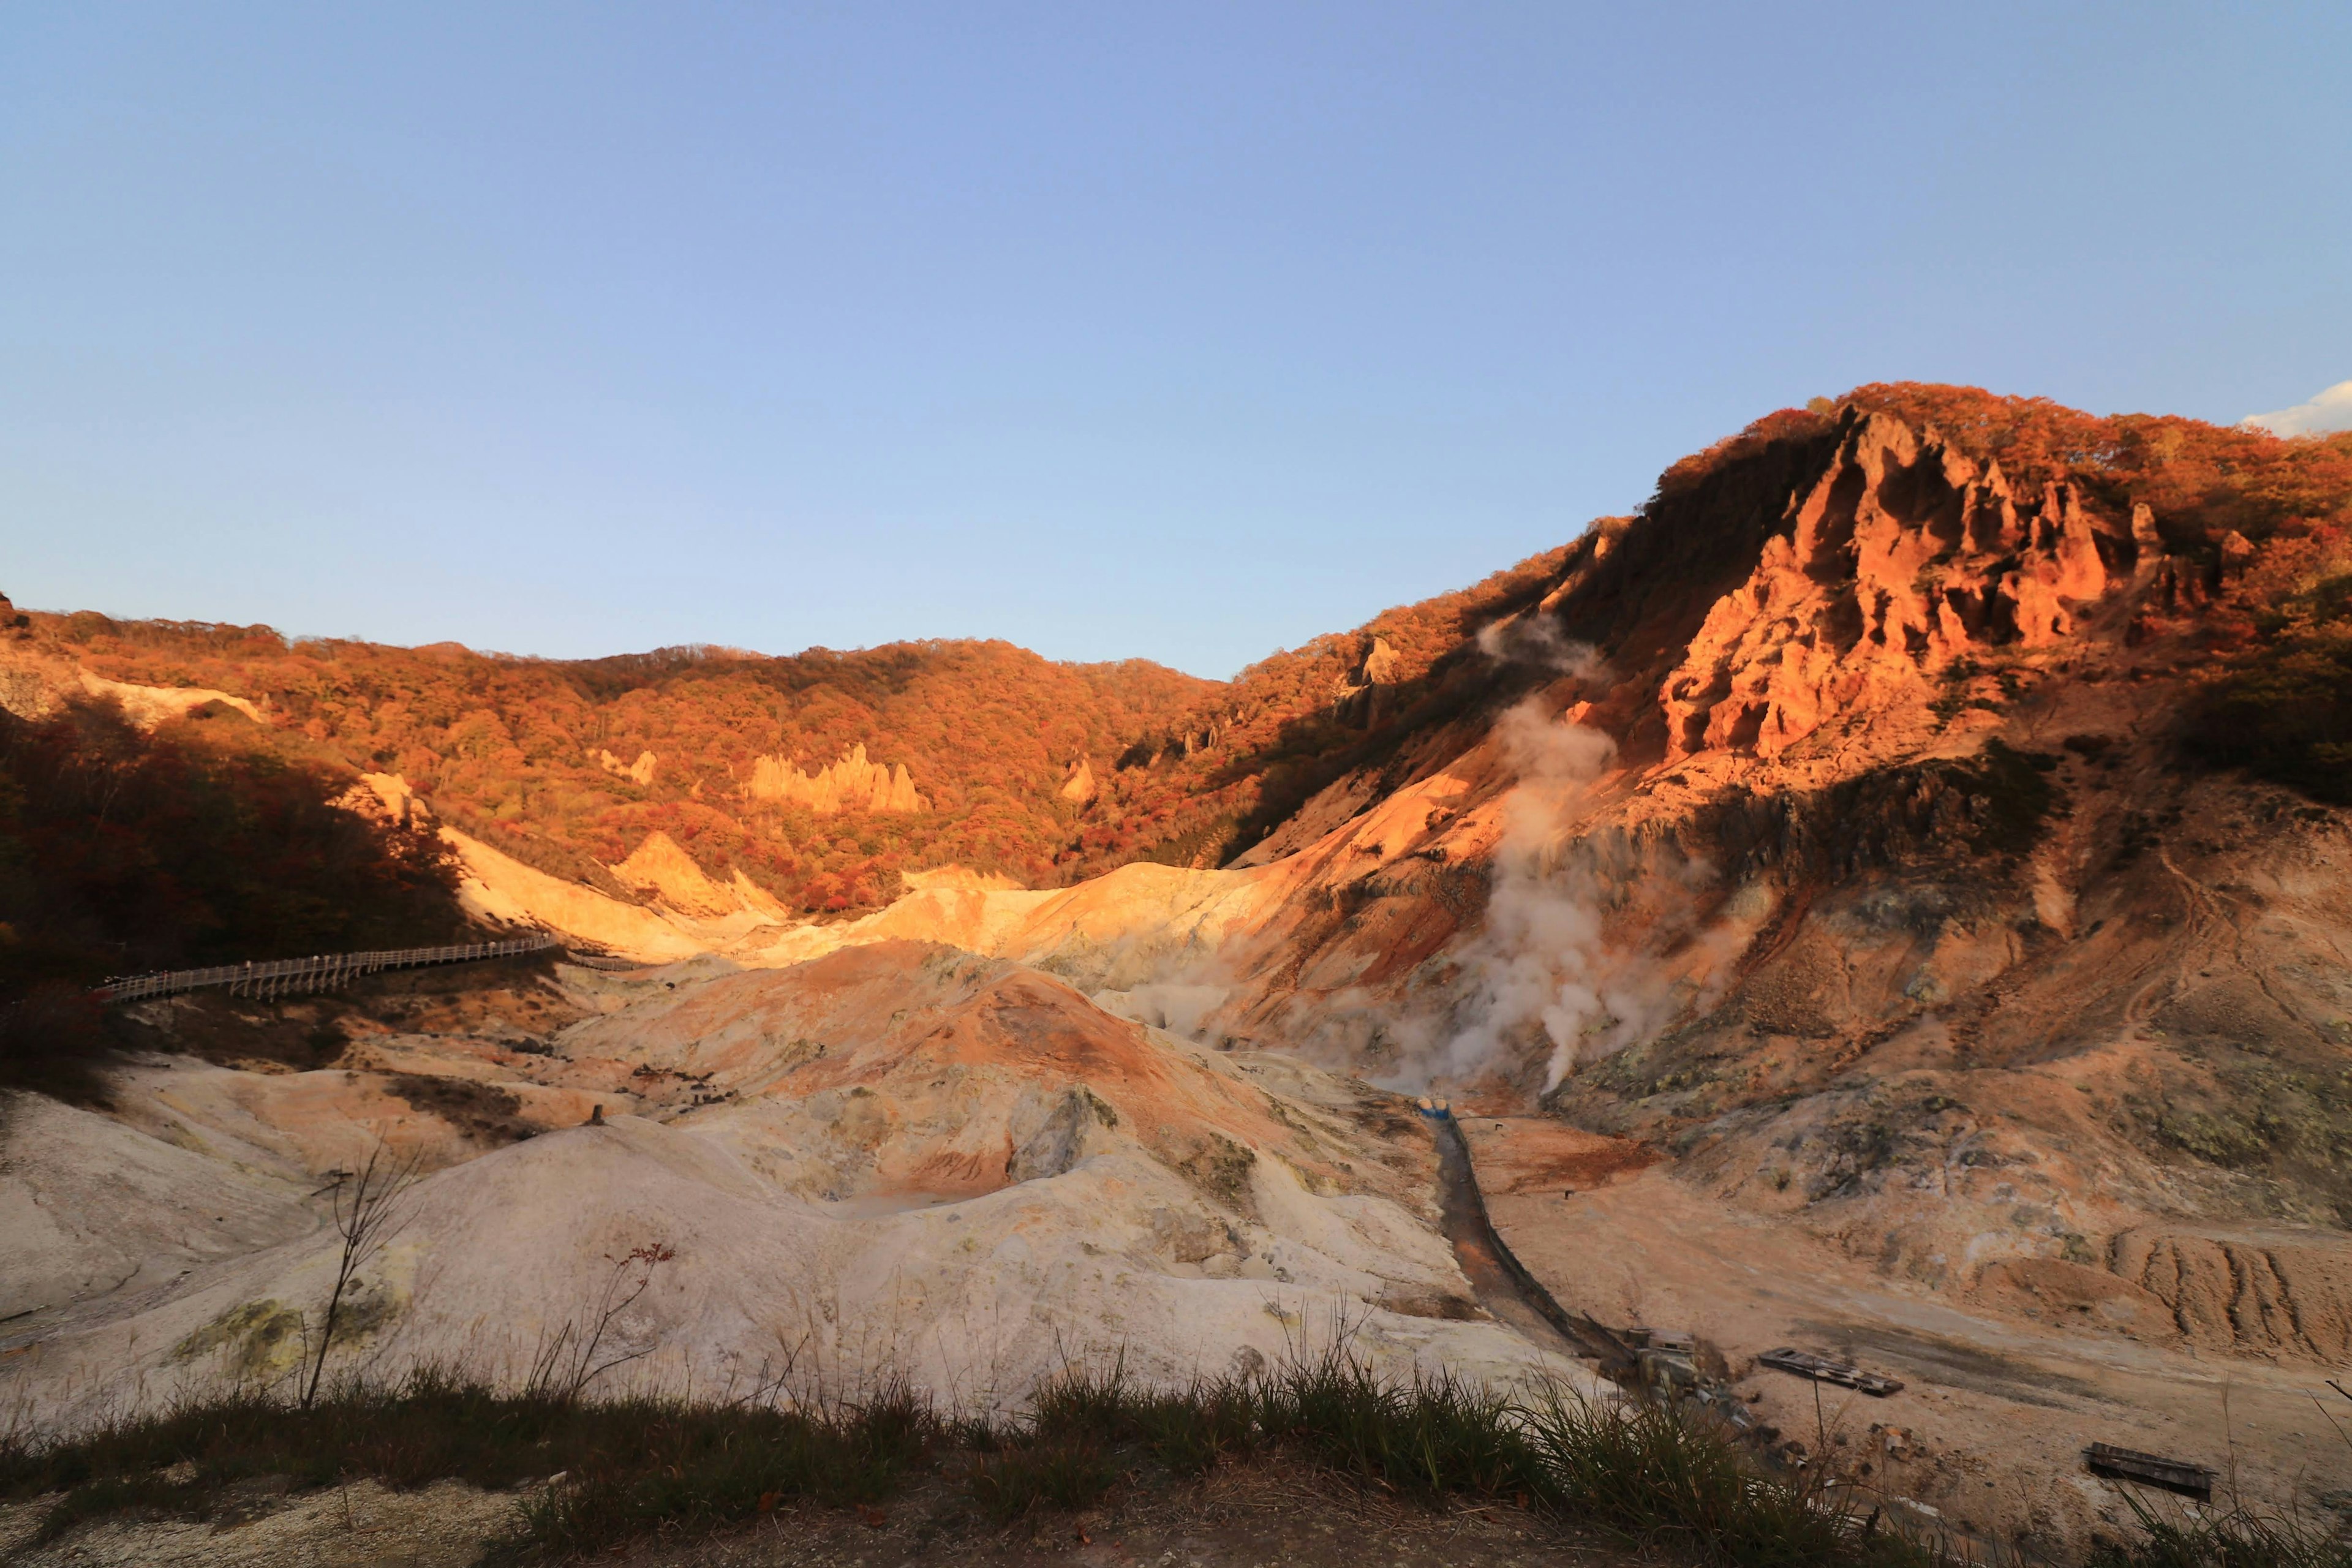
{"type": "Point", "coordinates": [1181, 1006]}
{"type": "Point", "coordinates": [1594, 939]}
{"type": "Point", "coordinates": [1544, 961]}
{"type": "Point", "coordinates": [1538, 641]}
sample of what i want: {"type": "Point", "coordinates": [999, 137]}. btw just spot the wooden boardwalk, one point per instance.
{"type": "Point", "coordinates": [323, 971]}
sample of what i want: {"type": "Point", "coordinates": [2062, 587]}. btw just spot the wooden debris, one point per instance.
{"type": "Point", "coordinates": [2154, 1469]}
{"type": "Point", "coordinates": [1821, 1369]}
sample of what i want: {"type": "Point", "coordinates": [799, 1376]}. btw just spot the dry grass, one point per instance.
{"type": "Point", "coordinates": [1650, 1475]}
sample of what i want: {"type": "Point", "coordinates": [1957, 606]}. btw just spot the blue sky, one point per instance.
{"type": "Point", "coordinates": [1183, 331]}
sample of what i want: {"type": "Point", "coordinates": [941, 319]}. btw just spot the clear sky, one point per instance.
{"type": "Point", "coordinates": [1186, 331]}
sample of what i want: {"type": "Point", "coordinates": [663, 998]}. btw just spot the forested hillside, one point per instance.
{"type": "Point", "coordinates": [1048, 773]}
{"type": "Point", "coordinates": [1040, 771]}
{"type": "Point", "coordinates": [206, 842]}
{"type": "Point", "coordinates": [567, 765]}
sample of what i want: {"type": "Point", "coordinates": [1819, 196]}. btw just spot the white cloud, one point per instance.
{"type": "Point", "coordinates": [2331, 410]}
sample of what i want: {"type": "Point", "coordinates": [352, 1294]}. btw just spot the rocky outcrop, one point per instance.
{"type": "Point", "coordinates": [1363, 697]}
{"type": "Point", "coordinates": [502, 892]}
{"type": "Point", "coordinates": [1902, 558]}
{"type": "Point", "coordinates": [148, 706]}
{"type": "Point", "coordinates": [388, 798]}
{"type": "Point", "coordinates": [639, 771]}
{"type": "Point", "coordinates": [1079, 787]}
{"type": "Point", "coordinates": [35, 685]}
{"type": "Point", "coordinates": [660, 866]}
{"type": "Point", "coordinates": [32, 684]}
{"type": "Point", "coordinates": [852, 784]}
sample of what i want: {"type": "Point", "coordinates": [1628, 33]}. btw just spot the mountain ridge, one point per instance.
{"type": "Point", "coordinates": [1891, 892]}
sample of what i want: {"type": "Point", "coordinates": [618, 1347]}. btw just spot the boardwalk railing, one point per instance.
{"type": "Point", "coordinates": [291, 976]}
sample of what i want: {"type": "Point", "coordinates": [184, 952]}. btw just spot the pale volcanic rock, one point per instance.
{"type": "Point", "coordinates": [1124, 924]}
{"type": "Point", "coordinates": [1079, 787]}
{"type": "Point", "coordinates": [1361, 696]}
{"type": "Point", "coordinates": [639, 771]}
{"type": "Point", "coordinates": [148, 706]}
{"type": "Point", "coordinates": [495, 887]}
{"type": "Point", "coordinates": [958, 1061]}
{"type": "Point", "coordinates": [34, 685]}
{"type": "Point", "coordinates": [901, 1158]}
{"type": "Point", "coordinates": [658, 865]}
{"type": "Point", "coordinates": [1143, 922]}
{"type": "Point", "coordinates": [503, 891]}
{"type": "Point", "coordinates": [851, 784]}
{"type": "Point", "coordinates": [389, 797]}
{"type": "Point", "coordinates": [90, 1206]}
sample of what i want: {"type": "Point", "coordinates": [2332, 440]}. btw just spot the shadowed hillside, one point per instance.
{"type": "Point", "coordinates": [202, 843]}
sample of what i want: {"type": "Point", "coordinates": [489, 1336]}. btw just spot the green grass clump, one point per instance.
{"type": "Point", "coordinates": [1656, 1474]}
{"type": "Point", "coordinates": [1064, 1472]}
{"type": "Point", "coordinates": [1428, 1437]}
{"type": "Point", "coordinates": [2235, 1538]}
{"type": "Point", "coordinates": [662, 1463]}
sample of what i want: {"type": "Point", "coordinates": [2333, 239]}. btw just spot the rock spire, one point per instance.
{"type": "Point", "coordinates": [852, 784]}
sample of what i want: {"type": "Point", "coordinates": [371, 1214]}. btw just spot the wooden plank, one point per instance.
{"type": "Point", "coordinates": [2153, 1470]}
{"type": "Point", "coordinates": [1821, 1369]}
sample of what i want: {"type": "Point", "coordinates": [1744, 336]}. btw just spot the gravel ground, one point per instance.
{"type": "Point", "coordinates": [439, 1526]}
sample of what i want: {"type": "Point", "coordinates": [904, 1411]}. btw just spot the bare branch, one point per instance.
{"type": "Point", "coordinates": [567, 1364]}
{"type": "Point", "coordinates": [369, 1210]}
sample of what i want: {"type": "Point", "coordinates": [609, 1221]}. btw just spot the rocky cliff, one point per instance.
{"type": "Point", "coordinates": [1860, 863]}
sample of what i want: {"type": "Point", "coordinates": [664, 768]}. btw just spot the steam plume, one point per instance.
{"type": "Point", "coordinates": [1544, 962]}
{"type": "Point", "coordinates": [1538, 641]}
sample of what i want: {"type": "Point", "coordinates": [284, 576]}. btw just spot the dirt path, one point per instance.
{"type": "Point", "coordinates": [1463, 1218]}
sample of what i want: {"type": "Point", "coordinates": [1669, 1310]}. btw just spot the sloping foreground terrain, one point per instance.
{"type": "Point", "coordinates": [897, 1160]}
{"type": "Point", "coordinates": [1891, 894]}
{"type": "Point", "coordinates": [1242, 1516]}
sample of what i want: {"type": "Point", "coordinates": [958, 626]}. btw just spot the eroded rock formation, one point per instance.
{"type": "Point", "coordinates": [639, 771]}
{"type": "Point", "coordinates": [1362, 698]}
{"type": "Point", "coordinates": [851, 784]}
{"type": "Point", "coordinates": [908, 1161]}
{"type": "Point", "coordinates": [1806, 877]}
{"type": "Point", "coordinates": [35, 684]}
{"type": "Point", "coordinates": [660, 866]}
{"type": "Point", "coordinates": [1901, 558]}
